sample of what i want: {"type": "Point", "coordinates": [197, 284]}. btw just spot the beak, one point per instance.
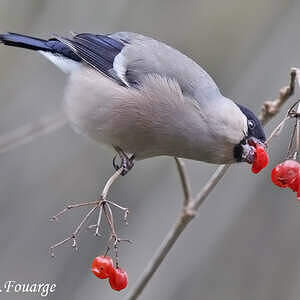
{"type": "Point", "coordinates": [249, 149]}
{"type": "Point", "coordinates": [252, 141]}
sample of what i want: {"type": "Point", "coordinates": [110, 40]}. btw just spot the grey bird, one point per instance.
{"type": "Point", "coordinates": [145, 99]}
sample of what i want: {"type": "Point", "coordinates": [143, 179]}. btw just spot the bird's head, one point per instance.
{"type": "Point", "coordinates": [245, 151]}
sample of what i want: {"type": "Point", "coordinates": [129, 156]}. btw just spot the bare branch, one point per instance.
{"type": "Point", "coordinates": [211, 183]}
{"type": "Point", "coordinates": [186, 186]}
{"type": "Point", "coordinates": [27, 133]}
{"type": "Point", "coordinates": [102, 204]}
{"type": "Point", "coordinates": [269, 110]}
{"type": "Point", "coordinates": [159, 256]}
{"type": "Point", "coordinates": [110, 181]}
{"type": "Point", "coordinates": [69, 207]}
{"type": "Point", "coordinates": [277, 130]}
{"type": "Point", "coordinates": [75, 234]}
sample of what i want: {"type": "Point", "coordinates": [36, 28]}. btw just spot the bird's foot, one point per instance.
{"type": "Point", "coordinates": [127, 162]}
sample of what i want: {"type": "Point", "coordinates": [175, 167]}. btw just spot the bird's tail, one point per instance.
{"type": "Point", "coordinates": [24, 41]}
{"type": "Point", "coordinates": [53, 49]}
{"type": "Point", "coordinates": [52, 45]}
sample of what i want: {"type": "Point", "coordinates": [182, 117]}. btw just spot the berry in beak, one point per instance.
{"type": "Point", "coordinates": [261, 158]}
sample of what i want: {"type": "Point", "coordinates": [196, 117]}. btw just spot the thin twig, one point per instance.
{"type": "Point", "coordinates": [110, 181]}
{"type": "Point", "coordinates": [297, 131]}
{"type": "Point", "coordinates": [28, 132]}
{"type": "Point", "coordinates": [102, 204]}
{"type": "Point", "coordinates": [269, 110]}
{"type": "Point", "coordinates": [290, 146]}
{"type": "Point", "coordinates": [186, 186]}
{"type": "Point", "coordinates": [69, 207]}
{"type": "Point", "coordinates": [211, 183]}
{"type": "Point", "coordinates": [277, 130]}
{"type": "Point", "coordinates": [159, 256]}
{"type": "Point", "coordinates": [99, 221]}
{"type": "Point", "coordinates": [74, 235]}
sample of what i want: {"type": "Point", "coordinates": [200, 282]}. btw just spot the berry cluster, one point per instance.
{"type": "Point", "coordinates": [287, 174]}
{"type": "Point", "coordinates": [261, 159]}
{"type": "Point", "coordinates": [103, 267]}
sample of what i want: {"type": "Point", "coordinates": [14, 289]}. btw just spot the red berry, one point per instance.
{"type": "Point", "coordinates": [118, 280]}
{"type": "Point", "coordinates": [285, 174]}
{"type": "Point", "coordinates": [277, 178]}
{"type": "Point", "coordinates": [295, 184]}
{"type": "Point", "coordinates": [102, 266]}
{"type": "Point", "coordinates": [261, 159]}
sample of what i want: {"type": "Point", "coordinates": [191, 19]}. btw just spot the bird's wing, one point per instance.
{"type": "Point", "coordinates": [128, 57]}
{"type": "Point", "coordinates": [97, 50]}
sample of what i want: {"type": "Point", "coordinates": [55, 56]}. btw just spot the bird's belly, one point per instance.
{"type": "Point", "coordinates": [113, 129]}
{"type": "Point", "coordinates": [116, 116]}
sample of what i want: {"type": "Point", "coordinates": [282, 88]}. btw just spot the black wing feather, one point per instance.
{"type": "Point", "coordinates": [97, 50]}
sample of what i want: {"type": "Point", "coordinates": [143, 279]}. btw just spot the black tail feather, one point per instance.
{"type": "Point", "coordinates": [24, 41]}
{"type": "Point", "coordinates": [32, 43]}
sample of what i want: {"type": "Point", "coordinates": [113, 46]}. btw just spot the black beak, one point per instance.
{"type": "Point", "coordinates": [252, 141]}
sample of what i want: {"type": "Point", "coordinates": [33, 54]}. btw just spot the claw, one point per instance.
{"type": "Point", "coordinates": [126, 164]}
{"type": "Point", "coordinates": [115, 165]}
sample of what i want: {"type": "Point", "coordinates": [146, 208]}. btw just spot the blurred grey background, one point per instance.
{"type": "Point", "coordinates": [244, 244]}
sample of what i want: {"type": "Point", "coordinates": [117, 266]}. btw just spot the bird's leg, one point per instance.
{"type": "Point", "coordinates": [127, 162]}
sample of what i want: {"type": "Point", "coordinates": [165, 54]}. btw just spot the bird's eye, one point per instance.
{"type": "Point", "coordinates": [251, 124]}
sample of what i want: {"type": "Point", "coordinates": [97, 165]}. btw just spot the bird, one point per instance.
{"type": "Point", "coordinates": [144, 98]}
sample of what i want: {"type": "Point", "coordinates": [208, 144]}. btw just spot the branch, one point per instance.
{"type": "Point", "coordinates": [29, 132]}
{"type": "Point", "coordinates": [102, 204]}
{"type": "Point", "coordinates": [271, 108]}
{"type": "Point", "coordinates": [186, 186]}
{"type": "Point", "coordinates": [191, 205]}
{"type": "Point", "coordinates": [211, 183]}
